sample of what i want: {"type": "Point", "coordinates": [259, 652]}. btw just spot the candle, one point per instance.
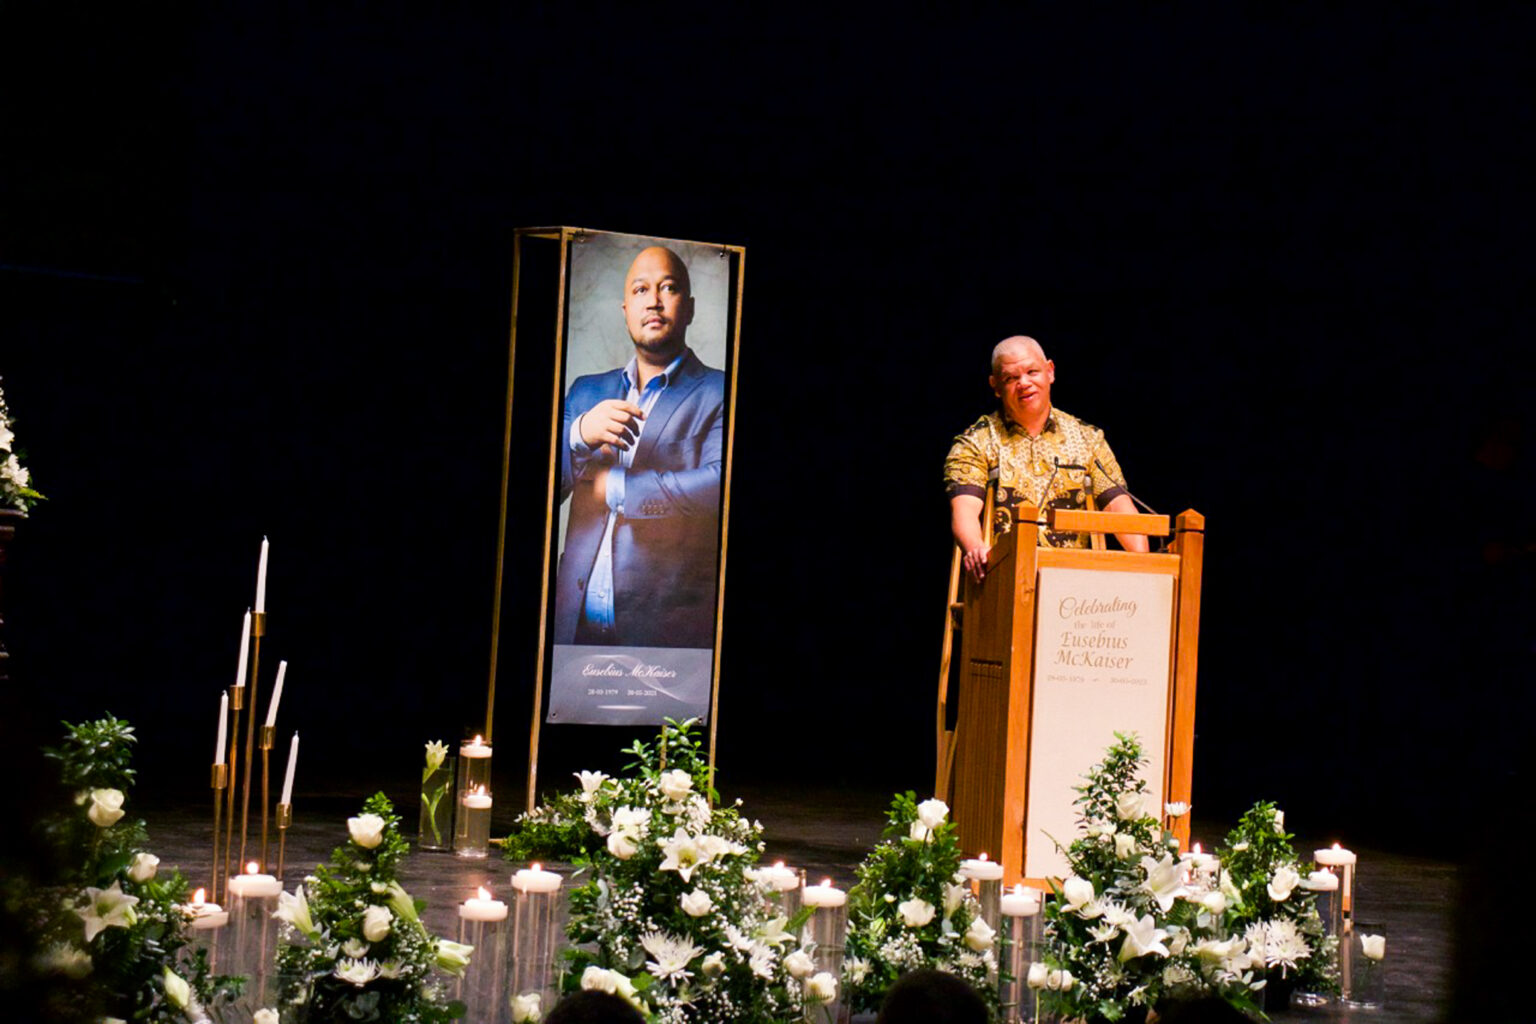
{"type": "Point", "coordinates": [483, 908]}
{"type": "Point", "coordinates": [261, 580]}
{"type": "Point", "coordinates": [1021, 902]}
{"type": "Point", "coordinates": [1334, 857]}
{"type": "Point", "coordinates": [536, 879]}
{"type": "Point", "coordinates": [218, 757]}
{"type": "Point", "coordinates": [980, 869]}
{"type": "Point", "coordinates": [1321, 881]}
{"type": "Point", "coordinates": [780, 878]}
{"type": "Point", "coordinates": [1200, 859]}
{"type": "Point", "coordinates": [479, 800]}
{"type": "Point", "coordinates": [277, 694]}
{"type": "Point", "coordinates": [205, 915]}
{"type": "Point", "coordinates": [475, 748]}
{"type": "Point", "coordinates": [254, 884]}
{"type": "Point", "coordinates": [245, 643]}
{"type": "Point", "coordinates": [823, 895]}
{"type": "Point", "coordinates": [293, 759]}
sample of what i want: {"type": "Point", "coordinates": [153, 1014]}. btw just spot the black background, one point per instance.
{"type": "Point", "coordinates": [256, 280]}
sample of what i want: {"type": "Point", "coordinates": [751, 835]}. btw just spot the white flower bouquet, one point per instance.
{"type": "Point", "coordinates": [911, 908]}
{"type": "Point", "coordinates": [670, 918]}
{"type": "Point", "coordinates": [357, 949]}
{"type": "Point", "coordinates": [16, 491]}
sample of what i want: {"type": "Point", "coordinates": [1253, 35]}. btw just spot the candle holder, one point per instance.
{"type": "Point", "coordinates": [781, 887]}
{"type": "Point", "coordinates": [825, 933]}
{"type": "Point", "coordinates": [1020, 939]}
{"type": "Point", "coordinates": [236, 704]}
{"type": "Point", "coordinates": [253, 945]}
{"type": "Point", "coordinates": [482, 987]}
{"type": "Point", "coordinates": [219, 780]}
{"type": "Point", "coordinates": [258, 630]}
{"type": "Point", "coordinates": [1323, 886]}
{"type": "Point", "coordinates": [206, 927]}
{"type": "Point", "coordinates": [472, 816]}
{"type": "Point", "coordinates": [284, 820]}
{"type": "Point", "coordinates": [536, 943]}
{"type": "Point", "coordinates": [1362, 954]}
{"type": "Point", "coordinates": [265, 739]}
{"type": "Point", "coordinates": [986, 881]}
{"type": "Point", "coordinates": [435, 831]}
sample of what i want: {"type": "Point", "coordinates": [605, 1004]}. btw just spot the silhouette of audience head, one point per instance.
{"type": "Point", "coordinates": [932, 997]}
{"type": "Point", "coordinates": [592, 1007]}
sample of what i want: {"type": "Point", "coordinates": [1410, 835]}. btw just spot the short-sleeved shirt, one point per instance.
{"type": "Point", "coordinates": [1069, 456]}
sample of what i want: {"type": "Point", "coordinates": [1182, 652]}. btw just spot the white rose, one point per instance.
{"type": "Point", "coordinates": [799, 964]}
{"type": "Point", "coordinates": [525, 1008]}
{"type": "Point", "coordinates": [143, 867]}
{"type": "Point", "coordinates": [106, 806]}
{"type": "Point", "coordinates": [932, 813]}
{"type": "Point", "coordinates": [1280, 886]}
{"type": "Point", "coordinates": [915, 912]}
{"type": "Point", "coordinates": [1214, 902]}
{"type": "Point", "coordinates": [821, 988]}
{"type": "Point", "coordinates": [265, 1015]}
{"type": "Point", "coordinates": [1038, 973]}
{"type": "Point", "coordinates": [979, 935]}
{"type": "Point", "coordinates": [1125, 844]}
{"type": "Point", "coordinates": [376, 923]}
{"type": "Point", "coordinates": [1373, 946]}
{"type": "Point", "coordinates": [1077, 892]}
{"type": "Point", "coordinates": [954, 895]}
{"type": "Point", "coordinates": [676, 784]}
{"type": "Point", "coordinates": [1279, 820]}
{"type": "Point", "coordinates": [697, 903]}
{"type": "Point", "coordinates": [367, 830]}
{"type": "Point", "coordinates": [919, 832]}
{"type": "Point", "coordinates": [621, 845]}
{"type": "Point", "coordinates": [1060, 980]}
{"type": "Point", "coordinates": [177, 991]}
{"type": "Point", "coordinates": [598, 979]}
{"type": "Point", "coordinates": [1128, 805]}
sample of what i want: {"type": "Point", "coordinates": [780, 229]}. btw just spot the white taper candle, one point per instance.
{"type": "Point", "coordinates": [277, 694]}
{"type": "Point", "coordinates": [293, 759]}
{"type": "Point", "coordinates": [261, 580]}
{"type": "Point", "coordinates": [218, 758]}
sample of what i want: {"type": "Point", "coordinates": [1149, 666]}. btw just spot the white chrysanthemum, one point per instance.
{"type": "Point", "coordinates": [671, 955]}
{"type": "Point", "coordinates": [356, 972]}
{"type": "Point", "coordinates": [1285, 945]}
{"type": "Point", "coordinates": [355, 948]}
{"type": "Point", "coordinates": [855, 970]}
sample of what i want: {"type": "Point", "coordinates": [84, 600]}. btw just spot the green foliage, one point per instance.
{"type": "Point", "coordinates": [556, 830]}
{"type": "Point", "coordinates": [110, 888]}
{"type": "Point", "coordinates": [394, 976]}
{"type": "Point", "coordinates": [917, 860]}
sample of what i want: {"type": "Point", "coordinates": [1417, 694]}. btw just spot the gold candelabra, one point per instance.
{"type": "Point", "coordinates": [236, 702]}
{"type": "Point", "coordinates": [267, 736]}
{"type": "Point", "coordinates": [284, 819]}
{"type": "Point", "coordinates": [258, 630]}
{"type": "Point", "coordinates": [219, 781]}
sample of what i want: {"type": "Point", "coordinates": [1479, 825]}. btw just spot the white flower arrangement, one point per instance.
{"type": "Point", "coordinates": [672, 918]}
{"type": "Point", "coordinates": [911, 909]}
{"type": "Point", "coordinates": [16, 491]}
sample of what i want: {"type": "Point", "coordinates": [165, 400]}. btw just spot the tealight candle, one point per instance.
{"type": "Point", "coordinates": [1021, 901]}
{"type": "Point", "coordinates": [779, 877]}
{"type": "Point", "coordinates": [1321, 881]}
{"type": "Point", "coordinates": [536, 879]}
{"type": "Point", "coordinates": [479, 800]}
{"type": "Point", "coordinates": [823, 895]}
{"type": "Point", "coordinates": [205, 915]}
{"type": "Point", "coordinates": [483, 908]}
{"type": "Point", "coordinates": [475, 748]}
{"type": "Point", "coordinates": [253, 884]}
{"type": "Point", "coordinates": [979, 869]}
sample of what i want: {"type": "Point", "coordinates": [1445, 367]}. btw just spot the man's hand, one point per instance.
{"type": "Point", "coordinates": [611, 422]}
{"type": "Point", "coordinates": [975, 561]}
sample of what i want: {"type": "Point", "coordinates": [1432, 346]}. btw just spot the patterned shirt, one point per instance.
{"type": "Point", "coordinates": [1070, 457]}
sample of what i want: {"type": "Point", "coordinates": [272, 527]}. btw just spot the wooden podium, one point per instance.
{"type": "Point", "coordinates": [1052, 658]}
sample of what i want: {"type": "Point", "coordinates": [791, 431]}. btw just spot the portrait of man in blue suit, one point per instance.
{"type": "Point", "coordinates": [642, 448]}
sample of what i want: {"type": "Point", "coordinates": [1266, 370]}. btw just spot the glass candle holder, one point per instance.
{"type": "Point", "coordinates": [1019, 939]}
{"type": "Point", "coordinates": [483, 925]}
{"type": "Point", "coordinates": [1362, 953]}
{"type": "Point", "coordinates": [472, 826]}
{"type": "Point", "coordinates": [825, 933]}
{"type": "Point", "coordinates": [1323, 887]}
{"type": "Point", "coordinates": [253, 937]}
{"type": "Point", "coordinates": [782, 886]}
{"type": "Point", "coordinates": [437, 806]}
{"type": "Point", "coordinates": [536, 941]}
{"type": "Point", "coordinates": [206, 926]}
{"type": "Point", "coordinates": [986, 878]}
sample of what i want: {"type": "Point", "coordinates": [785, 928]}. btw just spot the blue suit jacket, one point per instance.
{"type": "Point", "coordinates": [666, 543]}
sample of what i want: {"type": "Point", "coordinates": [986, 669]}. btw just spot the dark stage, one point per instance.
{"type": "Point", "coordinates": [255, 280]}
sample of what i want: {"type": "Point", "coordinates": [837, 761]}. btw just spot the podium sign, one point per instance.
{"type": "Point", "coordinates": [1101, 666]}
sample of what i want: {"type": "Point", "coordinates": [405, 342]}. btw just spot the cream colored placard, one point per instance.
{"type": "Point", "coordinates": [1101, 667]}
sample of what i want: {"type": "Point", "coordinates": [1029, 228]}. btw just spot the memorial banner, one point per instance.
{"type": "Point", "coordinates": [1102, 665]}
{"type": "Point", "coordinates": [642, 439]}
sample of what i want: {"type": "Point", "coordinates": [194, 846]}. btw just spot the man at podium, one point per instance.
{"type": "Point", "coordinates": [1038, 454]}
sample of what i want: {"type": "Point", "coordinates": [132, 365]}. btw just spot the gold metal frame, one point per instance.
{"type": "Point", "coordinates": [565, 236]}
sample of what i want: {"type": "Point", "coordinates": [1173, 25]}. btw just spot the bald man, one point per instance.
{"type": "Point", "coordinates": [641, 464]}
{"type": "Point", "coordinates": [1041, 455]}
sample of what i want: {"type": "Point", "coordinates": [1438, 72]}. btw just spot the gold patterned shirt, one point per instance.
{"type": "Point", "coordinates": [1069, 457]}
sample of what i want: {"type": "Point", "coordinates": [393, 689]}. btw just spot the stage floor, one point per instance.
{"type": "Point", "coordinates": [827, 833]}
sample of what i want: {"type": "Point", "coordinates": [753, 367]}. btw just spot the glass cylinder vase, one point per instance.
{"type": "Point", "coordinates": [437, 806]}
{"type": "Point", "coordinates": [252, 939]}
{"type": "Point", "coordinates": [536, 941]}
{"type": "Point", "coordinates": [1362, 953]}
{"type": "Point", "coordinates": [472, 825]}
{"type": "Point", "coordinates": [483, 986]}
{"type": "Point", "coordinates": [1020, 940]}
{"type": "Point", "coordinates": [825, 933]}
